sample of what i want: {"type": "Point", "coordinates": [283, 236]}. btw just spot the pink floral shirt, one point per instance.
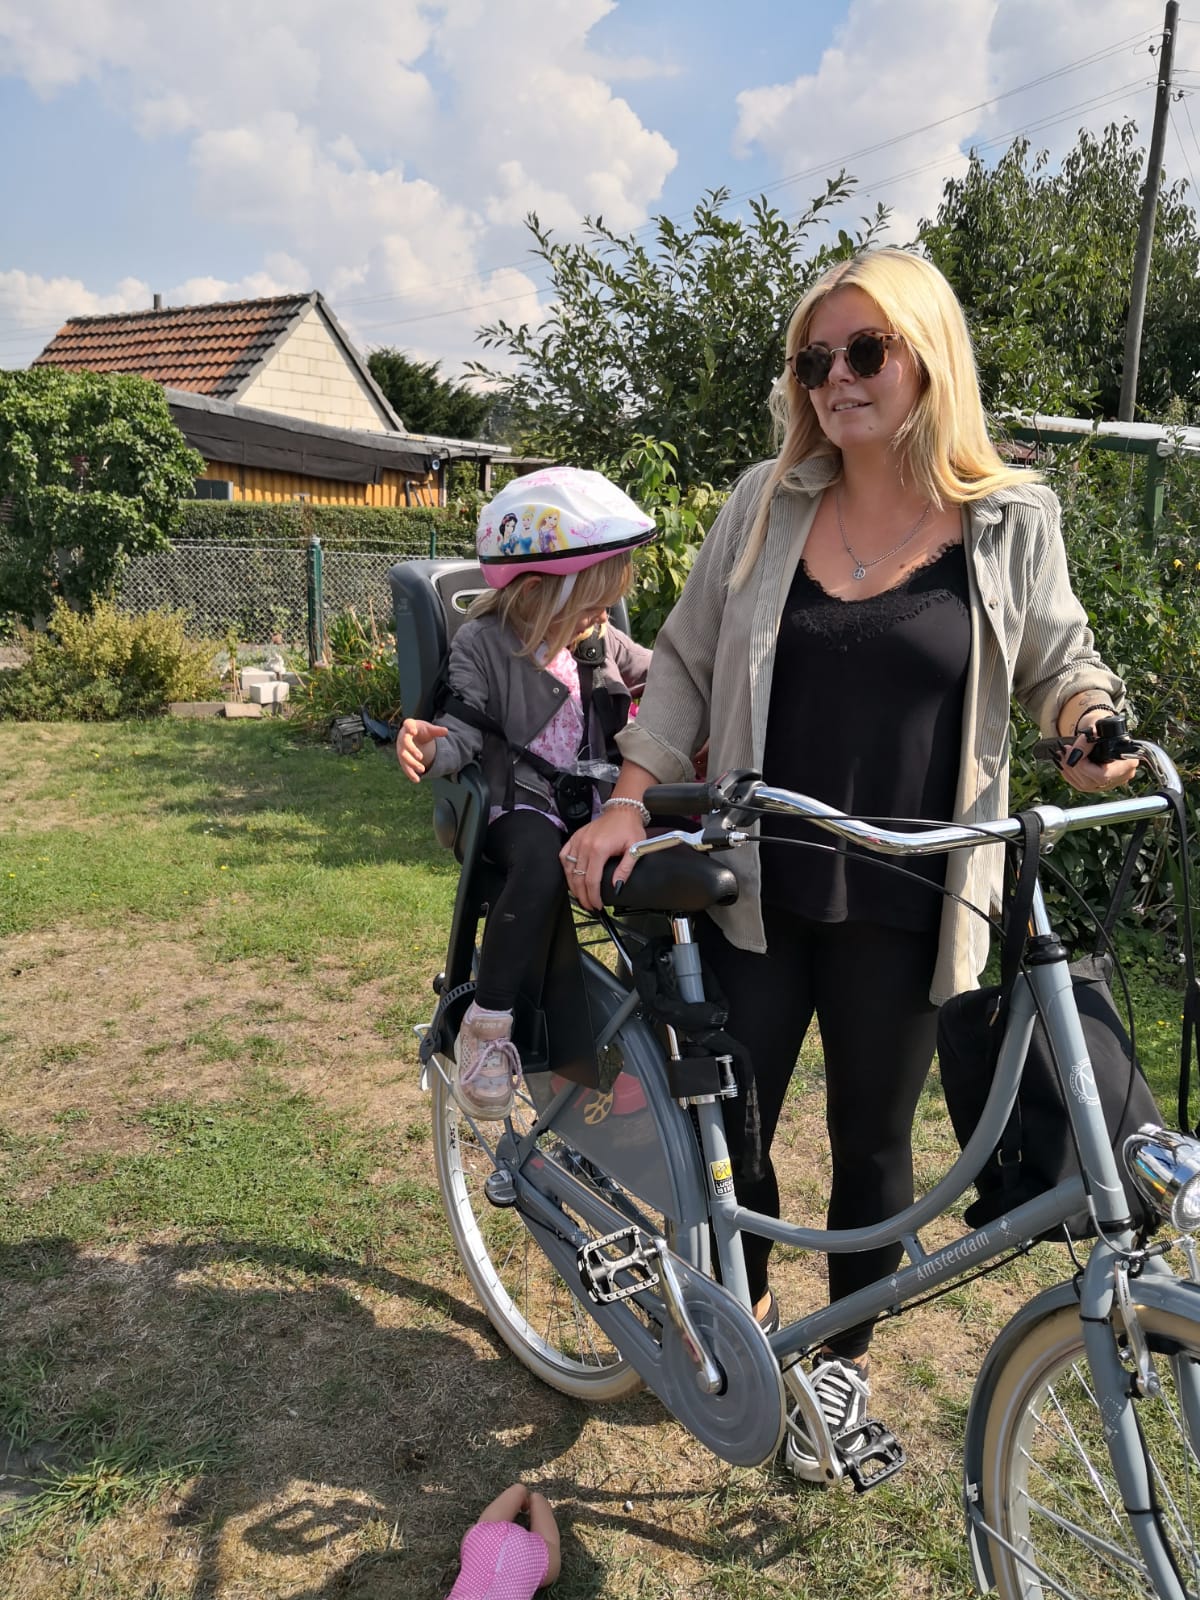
{"type": "Point", "coordinates": [559, 740]}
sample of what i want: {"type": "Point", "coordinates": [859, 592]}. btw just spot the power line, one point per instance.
{"type": "Point", "coordinates": [1049, 121]}
{"type": "Point", "coordinates": [1186, 158]}
{"type": "Point", "coordinates": [1095, 103]}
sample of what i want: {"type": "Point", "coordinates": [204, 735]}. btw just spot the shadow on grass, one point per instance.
{"type": "Point", "coordinates": [253, 1372]}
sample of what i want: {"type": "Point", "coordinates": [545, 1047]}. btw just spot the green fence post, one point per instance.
{"type": "Point", "coordinates": [315, 590]}
{"type": "Point", "coordinates": [1152, 496]}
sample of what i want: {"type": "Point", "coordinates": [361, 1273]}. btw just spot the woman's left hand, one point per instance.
{"type": "Point", "coordinates": [1085, 775]}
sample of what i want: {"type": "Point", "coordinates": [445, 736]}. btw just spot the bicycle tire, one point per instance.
{"type": "Point", "coordinates": [1047, 1483]}
{"type": "Point", "coordinates": [537, 1315]}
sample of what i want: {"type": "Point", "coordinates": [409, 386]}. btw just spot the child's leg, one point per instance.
{"type": "Point", "coordinates": [525, 844]}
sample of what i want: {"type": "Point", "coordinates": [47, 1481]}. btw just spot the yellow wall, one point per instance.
{"type": "Point", "coordinates": [252, 483]}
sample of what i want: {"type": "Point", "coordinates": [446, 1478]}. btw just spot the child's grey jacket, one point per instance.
{"type": "Point", "coordinates": [487, 671]}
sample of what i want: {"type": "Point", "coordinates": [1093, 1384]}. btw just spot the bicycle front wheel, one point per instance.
{"type": "Point", "coordinates": [1049, 1491]}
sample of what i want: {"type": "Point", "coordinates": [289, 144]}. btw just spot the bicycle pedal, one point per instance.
{"type": "Point", "coordinates": [625, 1250]}
{"type": "Point", "coordinates": [877, 1455]}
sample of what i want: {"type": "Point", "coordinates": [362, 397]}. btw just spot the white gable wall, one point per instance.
{"type": "Point", "coordinates": [309, 377]}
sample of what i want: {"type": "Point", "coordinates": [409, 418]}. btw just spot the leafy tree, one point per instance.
{"type": "Point", "coordinates": [1042, 262]}
{"type": "Point", "coordinates": [423, 401]}
{"type": "Point", "coordinates": [92, 470]}
{"type": "Point", "coordinates": [679, 341]}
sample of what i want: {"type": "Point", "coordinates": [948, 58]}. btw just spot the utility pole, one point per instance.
{"type": "Point", "coordinates": [1145, 239]}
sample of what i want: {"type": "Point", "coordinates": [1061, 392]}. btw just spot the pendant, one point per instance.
{"type": "Point", "coordinates": [860, 573]}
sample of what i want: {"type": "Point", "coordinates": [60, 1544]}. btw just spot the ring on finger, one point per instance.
{"type": "Point", "coordinates": [572, 859]}
{"type": "Point", "coordinates": [578, 872]}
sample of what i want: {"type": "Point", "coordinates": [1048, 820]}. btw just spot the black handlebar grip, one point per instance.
{"type": "Point", "coordinates": [677, 799]}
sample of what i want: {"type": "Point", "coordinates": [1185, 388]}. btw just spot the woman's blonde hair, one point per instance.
{"type": "Point", "coordinates": [943, 444]}
{"type": "Point", "coordinates": [533, 605]}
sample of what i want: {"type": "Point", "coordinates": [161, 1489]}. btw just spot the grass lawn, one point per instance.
{"type": "Point", "coordinates": [238, 1356]}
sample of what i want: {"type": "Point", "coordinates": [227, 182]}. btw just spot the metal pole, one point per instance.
{"type": "Point", "coordinates": [1145, 240]}
{"type": "Point", "coordinates": [315, 592]}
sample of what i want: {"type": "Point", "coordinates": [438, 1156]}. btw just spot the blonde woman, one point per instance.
{"type": "Point", "coordinates": [854, 628]}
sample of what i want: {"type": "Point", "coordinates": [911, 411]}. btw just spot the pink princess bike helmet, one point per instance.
{"type": "Point", "coordinates": [559, 520]}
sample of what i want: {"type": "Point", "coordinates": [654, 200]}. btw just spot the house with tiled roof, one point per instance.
{"type": "Point", "coordinates": [275, 397]}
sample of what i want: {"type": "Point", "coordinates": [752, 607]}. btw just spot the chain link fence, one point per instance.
{"type": "Point", "coordinates": [259, 591]}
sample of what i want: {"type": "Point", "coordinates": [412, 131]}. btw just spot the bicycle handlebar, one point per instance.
{"type": "Point", "coordinates": [736, 797]}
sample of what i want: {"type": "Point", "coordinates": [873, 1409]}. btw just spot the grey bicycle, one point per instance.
{"type": "Point", "coordinates": [585, 1227]}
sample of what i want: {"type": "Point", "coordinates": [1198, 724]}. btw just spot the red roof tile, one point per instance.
{"type": "Point", "coordinates": [209, 349]}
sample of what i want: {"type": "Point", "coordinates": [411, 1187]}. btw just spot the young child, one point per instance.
{"type": "Point", "coordinates": [551, 683]}
{"type": "Point", "coordinates": [501, 1560]}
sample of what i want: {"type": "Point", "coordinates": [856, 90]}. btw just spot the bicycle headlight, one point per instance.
{"type": "Point", "coordinates": [1165, 1169]}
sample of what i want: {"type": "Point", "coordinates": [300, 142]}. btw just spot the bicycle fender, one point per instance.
{"type": "Point", "coordinates": [1155, 1289]}
{"type": "Point", "coordinates": [1010, 1336]}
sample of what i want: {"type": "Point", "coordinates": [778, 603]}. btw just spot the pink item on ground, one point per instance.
{"type": "Point", "coordinates": [501, 1561]}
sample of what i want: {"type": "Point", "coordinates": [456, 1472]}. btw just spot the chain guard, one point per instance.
{"type": "Point", "coordinates": [744, 1423]}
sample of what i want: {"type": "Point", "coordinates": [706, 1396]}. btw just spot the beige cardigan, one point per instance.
{"type": "Point", "coordinates": [713, 659]}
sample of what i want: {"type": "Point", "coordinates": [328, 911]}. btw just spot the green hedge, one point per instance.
{"type": "Point", "coordinates": [406, 530]}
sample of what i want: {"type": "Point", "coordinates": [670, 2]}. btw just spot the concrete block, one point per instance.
{"type": "Point", "coordinates": [249, 676]}
{"type": "Point", "coordinates": [267, 694]}
{"type": "Point", "coordinates": [236, 708]}
{"type": "Point", "coordinates": [195, 708]}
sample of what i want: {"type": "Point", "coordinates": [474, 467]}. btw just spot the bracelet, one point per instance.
{"type": "Point", "coordinates": [1100, 705]}
{"type": "Point", "coordinates": [628, 800]}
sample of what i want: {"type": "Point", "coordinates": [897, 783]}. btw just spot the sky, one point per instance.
{"type": "Point", "coordinates": [387, 152]}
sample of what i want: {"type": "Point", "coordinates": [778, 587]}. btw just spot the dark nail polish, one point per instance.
{"type": "Point", "coordinates": [1075, 758]}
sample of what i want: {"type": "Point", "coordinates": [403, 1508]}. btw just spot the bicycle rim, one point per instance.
{"type": "Point", "coordinates": [1049, 1490]}
{"type": "Point", "coordinates": [531, 1308]}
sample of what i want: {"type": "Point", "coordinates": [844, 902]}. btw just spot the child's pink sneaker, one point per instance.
{"type": "Point", "coordinates": [487, 1068]}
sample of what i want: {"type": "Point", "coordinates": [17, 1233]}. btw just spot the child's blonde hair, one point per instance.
{"type": "Point", "coordinates": [534, 608]}
{"type": "Point", "coordinates": [943, 445]}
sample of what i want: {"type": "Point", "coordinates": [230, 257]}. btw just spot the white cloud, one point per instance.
{"type": "Point", "coordinates": [928, 80]}
{"type": "Point", "coordinates": [394, 150]}
{"type": "Point", "coordinates": [890, 69]}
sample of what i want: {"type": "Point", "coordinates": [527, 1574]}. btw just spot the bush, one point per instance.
{"type": "Point", "coordinates": [1142, 595]}
{"type": "Point", "coordinates": [405, 530]}
{"type": "Point", "coordinates": [104, 665]}
{"type": "Point", "coordinates": [362, 675]}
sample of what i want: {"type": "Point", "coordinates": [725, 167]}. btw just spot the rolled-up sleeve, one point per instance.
{"type": "Point", "coordinates": [1057, 657]}
{"type": "Point", "coordinates": [673, 721]}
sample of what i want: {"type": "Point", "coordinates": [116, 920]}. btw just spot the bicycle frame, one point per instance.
{"type": "Point", "coordinates": [1046, 989]}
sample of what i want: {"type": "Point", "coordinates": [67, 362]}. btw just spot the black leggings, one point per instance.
{"type": "Point", "coordinates": [868, 986]}
{"type": "Point", "coordinates": [521, 922]}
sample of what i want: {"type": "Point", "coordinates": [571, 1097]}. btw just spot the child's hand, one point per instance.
{"type": "Point", "coordinates": [415, 746]}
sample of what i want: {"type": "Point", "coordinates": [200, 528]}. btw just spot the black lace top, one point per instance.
{"type": "Point", "coordinates": [866, 714]}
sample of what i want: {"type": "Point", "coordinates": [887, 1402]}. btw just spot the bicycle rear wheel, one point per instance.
{"type": "Point", "coordinates": [1048, 1486]}
{"type": "Point", "coordinates": [525, 1299]}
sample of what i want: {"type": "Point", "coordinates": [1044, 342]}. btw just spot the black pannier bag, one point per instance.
{"type": "Point", "coordinates": [1037, 1150]}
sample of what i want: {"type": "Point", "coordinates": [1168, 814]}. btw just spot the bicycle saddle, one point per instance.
{"type": "Point", "coordinates": [674, 882]}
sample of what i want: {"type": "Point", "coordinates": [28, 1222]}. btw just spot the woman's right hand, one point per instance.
{"type": "Point", "coordinates": [587, 852]}
{"type": "Point", "coordinates": [415, 744]}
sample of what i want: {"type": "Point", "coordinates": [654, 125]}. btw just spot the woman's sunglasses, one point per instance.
{"type": "Point", "coordinates": [866, 355]}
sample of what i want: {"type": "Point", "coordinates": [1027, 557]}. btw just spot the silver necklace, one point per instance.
{"type": "Point", "coordinates": [861, 568]}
